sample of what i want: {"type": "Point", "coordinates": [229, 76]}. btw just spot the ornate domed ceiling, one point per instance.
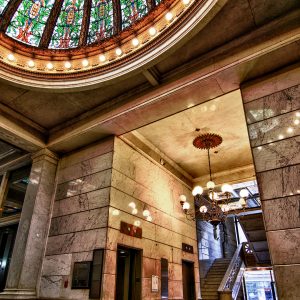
{"type": "Point", "coordinates": [91, 40]}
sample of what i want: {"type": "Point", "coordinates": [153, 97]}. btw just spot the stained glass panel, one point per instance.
{"type": "Point", "coordinates": [101, 22]}
{"type": "Point", "coordinates": [29, 21]}
{"type": "Point", "coordinates": [132, 10]}
{"type": "Point", "coordinates": [3, 4]}
{"type": "Point", "coordinates": [67, 30]}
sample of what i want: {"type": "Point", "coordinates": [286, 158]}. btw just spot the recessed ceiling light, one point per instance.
{"type": "Point", "coordinates": [10, 57]}
{"type": "Point", "coordinates": [297, 122]}
{"type": "Point", "coordinates": [119, 51]}
{"type": "Point", "coordinates": [297, 114]}
{"type": "Point", "coordinates": [102, 58]}
{"type": "Point", "coordinates": [290, 130]}
{"type": "Point", "coordinates": [169, 16]}
{"type": "Point", "coordinates": [85, 62]}
{"type": "Point", "coordinates": [30, 63]}
{"type": "Point", "coordinates": [135, 42]}
{"type": "Point", "coordinates": [68, 65]}
{"type": "Point", "coordinates": [49, 66]}
{"type": "Point", "coordinates": [152, 31]}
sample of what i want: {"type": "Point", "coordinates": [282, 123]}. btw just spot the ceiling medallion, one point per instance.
{"type": "Point", "coordinates": [212, 205]}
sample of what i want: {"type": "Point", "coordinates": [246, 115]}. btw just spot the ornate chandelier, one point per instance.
{"type": "Point", "coordinates": [211, 206]}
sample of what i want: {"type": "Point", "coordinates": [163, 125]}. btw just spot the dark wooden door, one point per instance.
{"type": "Point", "coordinates": [188, 280]}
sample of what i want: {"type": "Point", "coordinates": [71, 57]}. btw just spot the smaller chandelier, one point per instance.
{"type": "Point", "coordinates": [213, 207]}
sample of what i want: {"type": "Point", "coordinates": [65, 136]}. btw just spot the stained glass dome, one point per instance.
{"type": "Point", "coordinates": [64, 24]}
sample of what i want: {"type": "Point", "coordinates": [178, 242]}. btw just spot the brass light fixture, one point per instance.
{"type": "Point", "coordinates": [216, 207]}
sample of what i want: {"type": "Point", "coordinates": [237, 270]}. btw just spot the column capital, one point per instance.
{"type": "Point", "coordinates": [45, 154]}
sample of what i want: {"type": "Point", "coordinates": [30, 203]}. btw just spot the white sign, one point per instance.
{"type": "Point", "coordinates": [154, 286]}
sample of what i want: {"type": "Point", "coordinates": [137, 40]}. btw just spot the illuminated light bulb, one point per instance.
{"type": "Point", "coordinates": [10, 57]}
{"type": "Point", "coordinates": [225, 208]}
{"type": "Point", "coordinates": [132, 205]}
{"type": "Point", "coordinates": [30, 63]}
{"type": "Point", "coordinates": [102, 58]}
{"type": "Point", "coordinates": [226, 188]}
{"type": "Point", "coordinates": [298, 114]}
{"type": "Point", "coordinates": [185, 2]}
{"type": "Point", "coordinates": [169, 16]}
{"type": "Point", "coordinates": [119, 51]}
{"type": "Point", "coordinates": [203, 209]}
{"type": "Point", "coordinates": [49, 66]}
{"type": "Point", "coordinates": [152, 31]}
{"type": "Point", "coordinates": [244, 193]}
{"type": "Point", "coordinates": [242, 202]}
{"type": "Point", "coordinates": [259, 148]}
{"type": "Point", "coordinates": [137, 223]}
{"type": "Point", "coordinates": [134, 211]}
{"type": "Point", "coordinates": [182, 198]}
{"type": "Point", "coordinates": [297, 122]}
{"type": "Point", "coordinates": [149, 219]}
{"type": "Point", "coordinates": [146, 213]}
{"type": "Point", "coordinates": [280, 136]}
{"type": "Point", "coordinates": [210, 185]}
{"type": "Point", "coordinates": [290, 130]}
{"type": "Point", "coordinates": [198, 190]}
{"type": "Point", "coordinates": [135, 42]}
{"type": "Point", "coordinates": [115, 212]}
{"type": "Point", "coordinates": [68, 65]}
{"type": "Point", "coordinates": [85, 63]}
{"type": "Point", "coordinates": [186, 206]}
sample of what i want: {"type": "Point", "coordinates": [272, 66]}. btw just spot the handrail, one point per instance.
{"type": "Point", "coordinates": [232, 279]}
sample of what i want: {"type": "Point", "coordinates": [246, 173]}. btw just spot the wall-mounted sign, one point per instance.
{"type": "Point", "coordinates": [131, 230]}
{"type": "Point", "coordinates": [154, 283]}
{"type": "Point", "coordinates": [187, 248]}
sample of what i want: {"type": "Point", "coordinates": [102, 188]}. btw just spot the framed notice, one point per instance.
{"type": "Point", "coordinates": [154, 283]}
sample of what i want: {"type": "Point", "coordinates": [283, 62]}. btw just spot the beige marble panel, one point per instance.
{"type": "Point", "coordinates": [108, 287]}
{"type": "Point", "coordinates": [284, 246]}
{"type": "Point", "coordinates": [83, 202]}
{"type": "Point", "coordinates": [110, 262]}
{"type": "Point", "coordinates": [92, 219]}
{"type": "Point", "coordinates": [175, 289]}
{"type": "Point", "coordinates": [82, 256]}
{"type": "Point", "coordinates": [98, 149]}
{"type": "Point", "coordinates": [84, 185]}
{"type": "Point", "coordinates": [57, 265]}
{"type": "Point", "coordinates": [279, 183]}
{"type": "Point", "coordinates": [175, 271]}
{"type": "Point", "coordinates": [273, 105]}
{"type": "Point", "coordinates": [282, 213]}
{"type": "Point", "coordinates": [287, 282]}
{"type": "Point", "coordinates": [150, 267]}
{"type": "Point", "coordinates": [84, 168]}
{"type": "Point", "coordinates": [50, 286]}
{"type": "Point", "coordinates": [278, 154]}
{"type": "Point", "coordinates": [76, 242]}
{"type": "Point", "coordinates": [147, 294]}
{"type": "Point", "coordinates": [274, 129]}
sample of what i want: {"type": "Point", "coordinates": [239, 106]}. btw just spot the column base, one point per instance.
{"type": "Point", "coordinates": [12, 294]}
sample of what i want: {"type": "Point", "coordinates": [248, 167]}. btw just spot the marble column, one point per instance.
{"type": "Point", "coordinates": [28, 253]}
{"type": "Point", "coordinates": [272, 107]}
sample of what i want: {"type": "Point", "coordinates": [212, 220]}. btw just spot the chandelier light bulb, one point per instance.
{"type": "Point", "coordinates": [242, 202]}
{"type": "Point", "coordinates": [225, 208]}
{"type": "Point", "coordinates": [244, 193]}
{"type": "Point", "coordinates": [146, 213]}
{"type": "Point", "coordinates": [198, 190]}
{"type": "Point", "coordinates": [226, 188]}
{"type": "Point", "coordinates": [210, 185]}
{"type": "Point", "coordinates": [298, 114]}
{"type": "Point", "coordinates": [116, 212]}
{"type": "Point", "coordinates": [50, 66]}
{"type": "Point", "coordinates": [119, 51]}
{"type": "Point", "coordinates": [297, 122]}
{"type": "Point", "coordinates": [203, 209]}
{"type": "Point", "coordinates": [85, 62]}
{"type": "Point", "coordinates": [137, 223]}
{"type": "Point", "coordinates": [149, 219]}
{"type": "Point", "coordinates": [152, 31]}
{"type": "Point", "coordinates": [131, 205]}
{"type": "Point", "coordinates": [135, 42]}
{"type": "Point", "coordinates": [182, 198]}
{"type": "Point", "coordinates": [186, 206]}
{"type": "Point", "coordinates": [185, 2]}
{"type": "Point", "coordinates": [134, 211]}
{"type": "Point", "coordinates": [68, 65]}
{"type": "Point", "coordinates": [10, 57]}
{"type": "Point", "coordinates": [31, 64]}
{"type": "Point", "coordinates": [169, 16]}
{"type": "Point", "coordinates": [102, 58]}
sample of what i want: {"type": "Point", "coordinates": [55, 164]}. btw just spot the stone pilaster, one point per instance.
{"type": "Point", "coordinates": [28, 253]}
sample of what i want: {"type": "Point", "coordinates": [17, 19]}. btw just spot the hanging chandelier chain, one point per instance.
{"type": "Point", "coordinates": [209, 165]}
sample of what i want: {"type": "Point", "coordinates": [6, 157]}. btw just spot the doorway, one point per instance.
{"type": "Point", "coordinates": [129, 273]}
{"type": "Point", "coordinates": [188, 280]}
{"type": "Point", "coordinates": [7, 238]}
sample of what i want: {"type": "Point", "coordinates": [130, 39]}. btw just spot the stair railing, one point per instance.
{"type": "Point", "coordinates": [233, 278]}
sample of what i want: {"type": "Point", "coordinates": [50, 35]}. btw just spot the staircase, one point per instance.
{"type": "Point", "coordinates": [213, 279]}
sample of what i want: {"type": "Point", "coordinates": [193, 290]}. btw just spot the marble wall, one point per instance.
{"type": "Point", "coordinates": [137, 179]}
{"type": "Point", "coordinates": [79, 218]}
{"type": "Point", "coordinates": [272, 108]}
